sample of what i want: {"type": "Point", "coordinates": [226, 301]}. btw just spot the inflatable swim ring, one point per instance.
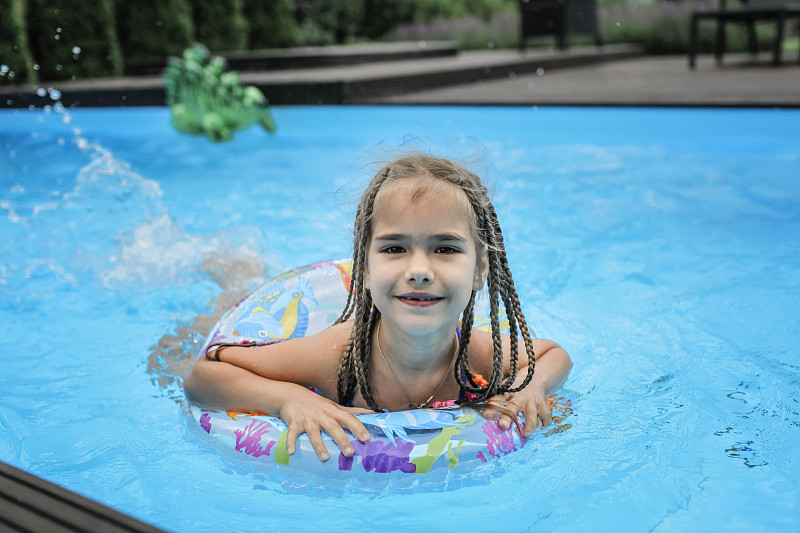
{"type": "Point", "coordinates": [303, 302]}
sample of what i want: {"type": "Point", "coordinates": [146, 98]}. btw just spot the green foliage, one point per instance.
{"type": "Point", "coordinates": [272, 24]}
{"type": "Point", "coordinates": [152, 31]}
{"type": "Point", "coordinates": [220, 24]}
{"type": "Point", "coordinates": [329, 21]}
{"type": "Point", "coordinates": [74, 40]}
{"type": "Point", "coordinates": [205, 99]}
{"type": "Point", "coordinates": [16, 61]}
{"type": "Point", "coordinates": [663, 28]}
{"type": "Point", "coordinates": [383, 16]}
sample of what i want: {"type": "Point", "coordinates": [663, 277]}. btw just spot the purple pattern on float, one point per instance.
{"type": "Point", "coordinates": [499, 442]}
{"type": "Point", "coordinates": [205, 422]}
{"type": "Point", "coordinates": [248, 440]}
{"type": "Point", "coordinates": [382, 457]}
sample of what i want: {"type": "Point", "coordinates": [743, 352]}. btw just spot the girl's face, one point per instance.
{"type": "Point", "coordinates": [422, 262]}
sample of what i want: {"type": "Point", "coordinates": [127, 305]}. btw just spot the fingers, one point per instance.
{"type": "Point", "coordinates": [545, 415]}
{"type": "Point", "coordinates": [333, 425]}
{"type": "Point", "coordinates": [357, 428]}
{"type": "Point", "coordinates": [354, 424]}
{"type": "Point", "coordinates": [315, 438]}
{"type": "Point", "coordinates": [536, 411]}
{"type": "Point", "coordinates": [357, 410]}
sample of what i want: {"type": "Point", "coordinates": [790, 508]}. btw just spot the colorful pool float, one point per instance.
{"type": "Point", "coordinates": [303, 302]}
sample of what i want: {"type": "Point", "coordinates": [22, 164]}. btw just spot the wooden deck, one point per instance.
{"type": "Point", "coordinates": [32, 505]}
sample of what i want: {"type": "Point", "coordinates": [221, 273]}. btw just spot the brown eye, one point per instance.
{"type": "Point", "coordinates": [392, 250]}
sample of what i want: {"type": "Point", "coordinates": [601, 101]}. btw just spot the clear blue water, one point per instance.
{"type": "Point", "coordinates": [660, 247]}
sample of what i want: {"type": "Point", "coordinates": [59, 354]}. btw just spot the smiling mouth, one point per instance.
{"type": "Point", "coordinates": [420, 301]}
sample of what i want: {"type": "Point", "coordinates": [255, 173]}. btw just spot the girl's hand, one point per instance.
{"type": "Point", "coordinates": [309, 413]}
{"type": "Point", "coordinates": [530, 401]}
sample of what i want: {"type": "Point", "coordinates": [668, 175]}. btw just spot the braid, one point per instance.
{"type": "Point", "coordinates": [354, 365]}
{"type": "Point", "coordinates": [500, 285]}
{"type": "Point", "coordinates": [461, 368]}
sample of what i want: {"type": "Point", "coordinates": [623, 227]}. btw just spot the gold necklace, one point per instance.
{"type": "Point", "coordinates": [408, 396]}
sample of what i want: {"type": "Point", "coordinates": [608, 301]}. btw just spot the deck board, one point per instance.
{"type": "Point", "coordinates": [31, 504]}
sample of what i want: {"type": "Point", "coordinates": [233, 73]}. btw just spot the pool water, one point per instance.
{"type": "Point", "coordinates": [660, 247]}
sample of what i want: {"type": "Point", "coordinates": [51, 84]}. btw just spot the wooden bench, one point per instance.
{"type": "Point", "coordinates": [750, 12]}
{"type": "Point", "coordinates": [559, 18]}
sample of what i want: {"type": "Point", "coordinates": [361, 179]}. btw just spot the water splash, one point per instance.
{"type": "Point", "coordinates": [108, 226]}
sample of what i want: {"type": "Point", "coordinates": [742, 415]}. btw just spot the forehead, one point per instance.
{"type": "Point", "coordinates": [395, 196]}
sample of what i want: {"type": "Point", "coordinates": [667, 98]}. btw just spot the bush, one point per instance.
{"type": "Point", "coordinates": [329, 21]}
{"type": "Point", "coordinates": [220, 24]}
{"type": "Point", "coordinates": [73, 40]}
{"type": "Point", "coordinates": [663, 28]}
{"type": "Point", "coordinates": [272, 24]}
{"type": "Point", "coordinates": [16, 61]}
{"type": "Point", "coordinates": [153, 31]}
{"type": "Point", "coordinates": [381, 17]}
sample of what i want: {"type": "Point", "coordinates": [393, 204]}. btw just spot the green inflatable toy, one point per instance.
{"type": "Point", "coordinates": [205, 99]}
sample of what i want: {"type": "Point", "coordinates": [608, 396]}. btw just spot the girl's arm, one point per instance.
{"type": "Point", "coordinates": [552, 368]}
{"type": "Point", "coordinates": [273, 379]}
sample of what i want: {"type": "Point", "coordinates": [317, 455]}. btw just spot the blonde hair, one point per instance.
{"type": "Point", "coordinates": [354, 368]}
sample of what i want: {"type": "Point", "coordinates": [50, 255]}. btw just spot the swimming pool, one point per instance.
{"type": "Point", "coordinates": [660, 247]}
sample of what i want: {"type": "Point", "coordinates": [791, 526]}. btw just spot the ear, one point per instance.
{"type": "Point", "coordinates": [481, 268]}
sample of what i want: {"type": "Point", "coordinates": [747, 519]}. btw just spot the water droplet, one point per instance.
{"type": "Point", "coordinates": [618, 24]}
{"type": "Point", "coordinates": [59, 68]}
{"type": "Point", "coordinates": [159, 23]}
{"type": "Point", "coordinates": [36, 66]}
{"type": "Point", "coordinates": [55, 94]}
{"type": "Point", "coordinates": [41, 91]}
{"type": "Point", "coordinates": [76, 50]}
{"type": "Point", "coordinates": [540, 71]}
{"type": "Point", "coordinates": [57, 37]}
{"type": "Point", "coordinates": [490, 45]}
{"type": "Point", "coordinates": [58, 30]}
{"type": "Point", "coordinates": [4, 70]}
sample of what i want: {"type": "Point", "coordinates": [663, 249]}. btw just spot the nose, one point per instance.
{"type": "Point", "coordinates": [419, 271]}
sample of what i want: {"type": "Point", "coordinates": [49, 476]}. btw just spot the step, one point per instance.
{"type": "Point", "coordinates": [319, 56]}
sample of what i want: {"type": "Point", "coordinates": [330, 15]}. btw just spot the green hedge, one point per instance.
{"type": "Point", "coordinates": [220, 24]}
{"type": "Point", "coordinates": [154, 31]}
{"type": "Point", "coordinates": [72, 40]}
{"type": "Point", "coordinates": [96, 38]}
{"type": "Point", "coordinates": [272, 24]}
{"type": "Point", "coordinates": [16, 61]}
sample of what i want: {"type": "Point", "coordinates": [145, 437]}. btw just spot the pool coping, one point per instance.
{"type": "Point", "coordinates": [31, 503]}
{"type": "Point", "coordinates": [341, 81]}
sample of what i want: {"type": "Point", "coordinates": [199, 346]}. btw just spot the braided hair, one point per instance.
{"type": "Point", "coordinates": [354, 367]}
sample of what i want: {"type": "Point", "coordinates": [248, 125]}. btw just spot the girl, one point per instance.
{"type": "Point", "coordinates": [426, 239]}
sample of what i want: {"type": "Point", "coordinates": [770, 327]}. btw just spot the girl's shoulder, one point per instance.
{"type": "Point", "coordinates": [481, 351]}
